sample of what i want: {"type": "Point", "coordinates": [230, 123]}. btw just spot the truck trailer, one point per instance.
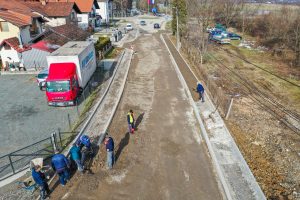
{"type": "Point", "coordinates": [70, 69]}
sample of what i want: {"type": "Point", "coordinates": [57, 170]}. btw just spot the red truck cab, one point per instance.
{"type": "Point", "coordinates": [62, 84]}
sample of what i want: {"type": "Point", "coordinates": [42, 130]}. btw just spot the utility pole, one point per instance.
{"type": "Point", "coordinates": [177, 26]}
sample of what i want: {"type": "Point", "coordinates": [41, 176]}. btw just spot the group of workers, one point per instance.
{"type": "Point", "coordinates": [78, 154]}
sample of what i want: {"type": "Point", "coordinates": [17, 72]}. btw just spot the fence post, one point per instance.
{"type": "Point", "coordinates": [53, 141]}
{"type": "Point", "coordinates": [59, 136]}
{"type": "Point", "coordinates": [229, 109]}
{"type": "Point", "coordinates": [11, 164]}
{"type": "Point", "coordinates": [69, 121]}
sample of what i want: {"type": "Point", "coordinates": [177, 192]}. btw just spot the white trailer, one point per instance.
{"type": "Point", "coordinates": [82, 54]}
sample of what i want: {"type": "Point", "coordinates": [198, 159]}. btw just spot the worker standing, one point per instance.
{"type": "Point", "coordinates": [109, 145]}
{"type": "Point", "coordinates": [61, 165]}
{"type": "Point", "coordinates": [200, 90]}
{"type": "Point", "coordinates": [130, 121]}
{"type": "Point", "coordinates": [40, 179]}
{"type": "Point", "coordinates": [76, 156]}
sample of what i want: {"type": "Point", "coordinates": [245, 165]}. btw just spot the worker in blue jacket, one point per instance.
{"type": "Point", "coordinates": [75, 153]}
{"type": "Point", "coordinates": [61, 165]}
{"type": "Point", "coordinates": [200, 90]}
{"type": "Point", "coordinates": [40, 179]}
{"type": "Point", "coordinates": [109, 145]}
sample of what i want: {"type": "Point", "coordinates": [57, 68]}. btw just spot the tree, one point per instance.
{"type": "Point", "coordinates": [182, 16]}
{"type": "Point", "coordinates": [203, 13]}
{"type": "Point", "coordinates": [228, 10]}
{"type": "Point", "coordinates": [294, 39]}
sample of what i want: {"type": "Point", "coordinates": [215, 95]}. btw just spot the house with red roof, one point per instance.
{"type": "Point", "coordinates": [55, 13]}
{"type": "Point", "coordinates": [17, 20]}
{"type": "Point", "coordinates": [33, 56]}
{"type": "Point", "coordinates": [87, 16]}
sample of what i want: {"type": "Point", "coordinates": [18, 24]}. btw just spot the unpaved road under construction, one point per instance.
{"type": "Point", "coordinates": [165, 158]}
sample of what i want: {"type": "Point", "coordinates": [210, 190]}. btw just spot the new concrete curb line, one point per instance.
{"type": "Point", "coordinates": [258, 192]}
{"type": "Point", "coordinates": [203, 130]}
{"type": "Point", "coordinates": [119, 97]}
{"type": "Point", "coordinates": [102, 135]}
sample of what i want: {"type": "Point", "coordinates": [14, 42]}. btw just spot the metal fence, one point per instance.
{"type": "Point", "coordinates": [19, 160]}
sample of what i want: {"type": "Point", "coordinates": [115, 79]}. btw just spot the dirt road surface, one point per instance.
{"type": "Point", "coordinates": [165, 158]}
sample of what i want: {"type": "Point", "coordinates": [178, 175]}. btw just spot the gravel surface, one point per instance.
{"type": "Point", "coordinates": [164, 159]}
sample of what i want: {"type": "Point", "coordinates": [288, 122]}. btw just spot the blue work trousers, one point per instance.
{"type": "Point", "coordinates": [64, 176]}
{"type": "Point", "coordinates": [110, 159]}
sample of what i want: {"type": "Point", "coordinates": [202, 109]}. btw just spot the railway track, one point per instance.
{"type": "Point", "coordinates": [290, 118]}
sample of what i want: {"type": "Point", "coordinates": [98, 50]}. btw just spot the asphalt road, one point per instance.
{"type": "Point", "coordinates": [25, 117]}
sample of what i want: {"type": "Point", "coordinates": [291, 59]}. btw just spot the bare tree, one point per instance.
{"type": "Point", "coordinates": [294, 39]}
{"type": "Point", "coordinates": [202, 12]}
{"type": "Point", "coordinates": [227, 10]}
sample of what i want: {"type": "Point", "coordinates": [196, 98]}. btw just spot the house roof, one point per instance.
{"type": "Point", "coordinates": [14, 43]}
{"type": "Point", "coordinates": [16, 13]}
{"type": "Point", "coordinates": [62, 34]}
{"type": "Point", "coordinates": [53, 9]}
{"type": "Point", "coordinates": [85, 6]}
{"type": "Point", "coordinates": [45, 46]}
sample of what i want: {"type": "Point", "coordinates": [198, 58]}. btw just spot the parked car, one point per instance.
{"type": "Point", "coordinates": [156, 26]}
{"type": "Point", "coordinates": [41, 78]}
{"type": "Point", "coordinates": [129, 27]}
{"type": "Point", "coordinates": [234, 36]}
{"type": "Point", "coordinates": [143, 23]}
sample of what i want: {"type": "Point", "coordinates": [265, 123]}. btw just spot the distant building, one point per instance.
{"type": "Point", "coordinates": [105, 10]}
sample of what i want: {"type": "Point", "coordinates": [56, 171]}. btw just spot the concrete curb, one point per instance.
{"type": "Point", "coordinates": [119, 98]}
{"type": "Point", "coordinates": [202, 127]}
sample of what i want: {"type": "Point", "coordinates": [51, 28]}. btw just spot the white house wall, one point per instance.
{"type": "Point", "coordinates": [103, 11]}
{"type": "Point", "coordinates": [13, 31]}
{"type": "Point", "coordinates": [13, 54]}
{"type": "Point", "coordinates": [58, 21]}
{"type": "Point", "coordinates": [83, 20]}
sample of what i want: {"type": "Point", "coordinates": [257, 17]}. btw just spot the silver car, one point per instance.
{"type": "Point", "coordinates": [41, 78]}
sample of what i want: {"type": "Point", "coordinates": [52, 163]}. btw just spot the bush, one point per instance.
{"type": "Point", "coordinates": [101, 43]}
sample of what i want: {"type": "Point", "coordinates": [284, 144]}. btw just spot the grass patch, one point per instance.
{"type": "Point", "coordinates": [113, 53]}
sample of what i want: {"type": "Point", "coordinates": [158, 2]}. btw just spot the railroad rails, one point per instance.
{"type": "Point", "coordinates": [289, 117]}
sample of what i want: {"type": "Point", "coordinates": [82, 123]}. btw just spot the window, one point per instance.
{"type": "Point", "coordinates": [4, 27]}
{"type": "Point", "coordinates": [58, 86]}
{"type": "Point", "coordinates": [79, 19]}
